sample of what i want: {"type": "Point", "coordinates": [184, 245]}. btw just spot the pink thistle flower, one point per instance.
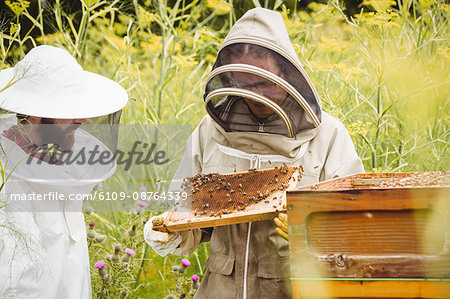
{"type": "Point", "coordinates": [194, 278]}
{"type": "Point", "coordinates": [100, 265]}
{"type": "Point", "coordinates": [141, 203]}
{"type": "Point", "coordinates": [143, 189]}
{"type": "Point", "coordinates": [185, 262]}
{"type": "Point", "coordinates": [91, 225]}
{"type": "Point", "coordinates": [130, 251]}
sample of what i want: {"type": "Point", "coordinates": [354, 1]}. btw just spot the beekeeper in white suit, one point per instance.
{"type": "Point", "coordinates": [261, 107]}
{"type": "Point", "coordinates": [43, 247]}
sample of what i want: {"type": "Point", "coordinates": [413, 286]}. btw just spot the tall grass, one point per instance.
{"type": "Point", "coordinates": [384, 73]}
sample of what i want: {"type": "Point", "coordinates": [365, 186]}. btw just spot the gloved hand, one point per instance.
{"type": "Point", "coordinates": [161, 243]}
{"type": "Point", "coordinates": [282, 225]}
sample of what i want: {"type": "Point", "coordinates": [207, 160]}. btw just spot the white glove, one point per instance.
{"type": "Point", "coordinates": [161, 243]}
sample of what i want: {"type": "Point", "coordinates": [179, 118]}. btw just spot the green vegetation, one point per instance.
{"type": "Point", "coordinates": [384, 73]}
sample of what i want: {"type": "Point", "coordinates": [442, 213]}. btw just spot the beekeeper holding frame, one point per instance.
{"type": "Point", "coordinates": [263, 111]}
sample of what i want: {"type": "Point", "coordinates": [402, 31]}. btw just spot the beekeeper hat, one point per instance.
{"type": "Point", "coordinates": [48, 82]}
{"type": "Point", "coordinates": [257, 66]}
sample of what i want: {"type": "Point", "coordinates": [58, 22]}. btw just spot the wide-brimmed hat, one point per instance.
{"type": "Point", "coordinates": [48, 82]}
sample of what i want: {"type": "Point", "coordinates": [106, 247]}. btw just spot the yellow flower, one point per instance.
{"type": "Point", "coordinates": [220, 7]}
{"type": "Point", "coordinates": [18, 6]}
{"type": "Point", "coordinates": [303, 15]}
{"type": "Point", "coordinates": [154, 44]}
{"type": "Point", "coordinates": [51, 38]}
{"type": "Point", "coordinates": [145, 17]}
{"type": "Point", "coordinates": [13, 28]}
{"type": "Point", "coordinates": [210, 58]}
{"type": "Point", "coordinates": [445, 8]}
{"type": "Point", "coordinates": [357, 128]}
{"type": "Point", "coordinates": [177, 47]}
{"type": "Point", "coordinates": [318, 65]}
{"type": "Point", "coordinates": [329, 44]}
{"type": "Point", "coordinates": [380, 5]}
{"type": "Point", "coordinates": [386, 19]}
{"type": "Point", "coordinates": [316, 7]}
{"type": "Point", "coordinates": [184, 61]}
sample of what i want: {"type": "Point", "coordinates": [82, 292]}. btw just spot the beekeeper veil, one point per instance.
{"type": "Point", "coordinates": [258, 84]}
{"type": "Point", "coordinates": [62, 126]}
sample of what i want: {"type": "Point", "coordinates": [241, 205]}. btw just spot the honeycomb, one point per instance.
{"type": "Point", "coordinates": [216, 194]}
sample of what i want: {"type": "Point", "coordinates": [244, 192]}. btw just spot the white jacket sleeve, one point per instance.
{"type": "Point", "coordinates": [342, 159]}
{"type": "Point", "coordinates": [190, 241]}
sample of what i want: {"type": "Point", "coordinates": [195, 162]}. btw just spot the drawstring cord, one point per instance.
{"type": "Point", "coordinates": [255, 163]}
{"type": "Point", "coordinates": [247, 246]}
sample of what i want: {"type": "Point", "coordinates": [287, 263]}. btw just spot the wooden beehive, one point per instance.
{"type": "Point", "coordinates": [372, 235]}
{"type": "Point", "coordinates": [222, 199]}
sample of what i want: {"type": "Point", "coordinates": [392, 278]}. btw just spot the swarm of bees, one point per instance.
{"type": "Point", "coordinates": [215, 194]}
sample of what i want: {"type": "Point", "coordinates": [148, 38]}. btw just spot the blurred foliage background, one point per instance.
{"type": "Point", "coordinates": [381, 67]}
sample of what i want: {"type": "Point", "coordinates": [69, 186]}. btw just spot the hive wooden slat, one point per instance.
{"type": "Point", "coordinates": [370, 289]}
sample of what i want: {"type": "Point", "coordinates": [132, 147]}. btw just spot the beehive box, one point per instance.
{"type": "Point", "coordinates": [372, 235]}
{"type": "Point", "coordinates": [222, 199]}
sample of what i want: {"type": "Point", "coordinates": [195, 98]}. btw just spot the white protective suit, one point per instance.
{"type": "Point", "coordinates": [251, 260]}
{"type": "Point", "coordinates": [43, 246]}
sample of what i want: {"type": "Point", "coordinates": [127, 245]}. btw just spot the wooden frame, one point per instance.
{"type": "Point", "coordinates": [182, 217]}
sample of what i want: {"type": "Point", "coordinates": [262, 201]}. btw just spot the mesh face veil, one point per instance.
{"type": "Point", "coordinates": [255, 89]}
{"type": "Point", "coordinates": [60, 151]}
